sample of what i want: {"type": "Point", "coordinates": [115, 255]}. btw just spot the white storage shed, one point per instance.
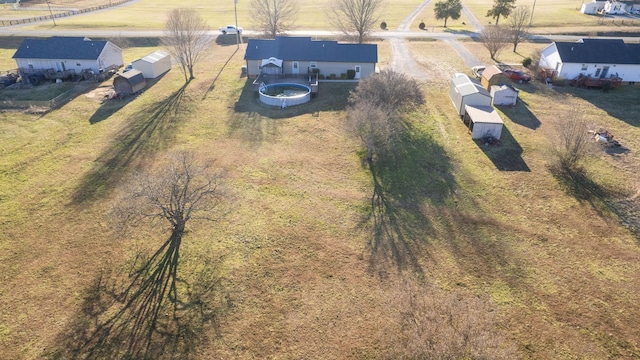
{"type": "Point", "coordinates": [154, 64]}
{"type": "Point", "coordinates": [504, 95]}
{"type": "Point", "coordinates": [483, 121]}
{"type": "Point", "coordinates": [464, 91]}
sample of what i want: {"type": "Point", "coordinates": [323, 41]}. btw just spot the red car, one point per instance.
{"type": "Point", "coordinates": [517, 75]}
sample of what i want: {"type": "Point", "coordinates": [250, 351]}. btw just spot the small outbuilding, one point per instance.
{"type": "Point", "coordinates": [492, 75]}
{"type": "Point", "coordinates": [504, 95]}
{"type": "Point", "coordinates": [464, 91]}
{"type": "Point", "coordinates": [128, 83]}
{"type": "Point", "coordinates": [154, 64]}
{"type": "Point", "coordinates": [483, 121]}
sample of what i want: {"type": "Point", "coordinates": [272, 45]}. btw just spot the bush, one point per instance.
{"type": "Point", "coordinates": [315, 71]}
{"type": "Point", "coordinates": [383, 25]}
{"type": "Point", "coordinates": [422, 25]}
{"type": "Point", "coordinates": [526, 62]}
{"type": "Point", "coordinates": [321, 77]}
{"type": "Point", "coordinates": [351, 74]}
{"type": "Point", "coordinates": [332, 76]}
{"type": "Point", "coordinates": [343, 76]}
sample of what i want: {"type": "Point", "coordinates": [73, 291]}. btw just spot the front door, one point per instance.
{"type": "Point", "coordinates": [605, 72]}
{"type": "Point", "coordinates": [295, 67]}
{"type": "Point", "coordinates": [358, 68]}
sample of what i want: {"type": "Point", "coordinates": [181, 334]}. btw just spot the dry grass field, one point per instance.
{"type": "Point", "coordinates": [473, 242]}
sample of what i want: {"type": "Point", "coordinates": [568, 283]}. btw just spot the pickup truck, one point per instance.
{"type": "Point", "coordinates": [230, 29]}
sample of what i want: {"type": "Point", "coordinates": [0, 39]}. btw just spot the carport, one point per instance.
{"type": "Point", "coordinates": [482, 121]}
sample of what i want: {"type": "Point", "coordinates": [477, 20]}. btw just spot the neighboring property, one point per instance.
{"type": "Point", "coordinates": [492, 75]}
{"type": "Point", "coordinates": [464, 91]}
{"type": "Point", "coordinates": [593, 58]}
{"type": "Point", "coordinates": [301, 55]}
{"type": "Point", "coordinates": [154, 64]}
{"type": "Point", "coordinates": [67, 56]}
{"type": "Point", "coordinates": [504, 95]}
{"type": "Point", "coordinates": [610, 7]}
{"type": "Point", "coordinates": [129, 83]}
{"type": "Point", "coordinates": [483, 121]}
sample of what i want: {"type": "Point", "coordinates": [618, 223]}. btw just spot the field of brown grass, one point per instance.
{"type": "Point", "coordinates": [479, 247]}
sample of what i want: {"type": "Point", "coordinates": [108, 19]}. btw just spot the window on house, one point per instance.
{"type": "Point", "coordinates": [30, 66]}
{"type": "Point", "coordinates": [597, 73]}
{"type": "Point", "coordinates": [584, 67]}
{"type": "Point", "coordinates": [313, 64]}
{"type": "Point", "coordinates": [78, 64]}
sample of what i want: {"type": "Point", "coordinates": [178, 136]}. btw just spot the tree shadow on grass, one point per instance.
{"type": "Point", "coordinates": [521, 115]}
{"type": "Point", "coordinates": [619, 103]}
{"type": "Point", "coordinates": [416, 171]}
{"type": "Point", "coordinates": [147, 131]}
{"type": "Point", "coordinates": [132, 319]}
{"type": "Point", "coordinates": [508, 155]}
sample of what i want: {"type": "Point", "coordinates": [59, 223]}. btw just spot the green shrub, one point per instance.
{"type": "Point", "coordinates": [351, 74]}
{"type": "Point", "coordinates": [332, 76]}
{"type": "Point", "coordinates": [315, 70]}
{"type": "Point", "coordinates": [321, 77]}
{"type": "Point", "coordinates": [383, 25]}
{"type": "Point", "coordinates": [422, 25]}
{"type": "Point", "coordinates": [343, 76]}
{"type": "Point", "coordinates": [526, 62]}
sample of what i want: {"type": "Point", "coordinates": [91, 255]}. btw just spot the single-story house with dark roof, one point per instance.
{"type": "Point", "coordinates": [595, 58]}
{"type": "Point", "coordinates": [61, 53]}
{"type": "Point", "coordinates": [301, 55]}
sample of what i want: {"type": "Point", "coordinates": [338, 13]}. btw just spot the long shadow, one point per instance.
{"type": "Point", "coordinates": [507, 156]}
{"type": "Point", "coordinates": [416, 171]}
{"type": "Point", "coordinates": [620, 103]}
{"type": "Point", "coordinates": [149, 130]}
{"type": "Point", "coordinates": [521, 115]}
{"type": "Point", "coordinates": [213, 83]}
{"type": "Point", "coordinates": [144, 319]}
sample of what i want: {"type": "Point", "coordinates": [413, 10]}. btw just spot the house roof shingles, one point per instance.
{"type": "Point", "coordinates": [59, 47]}
{"type": "Point", "coordinates": [594, 51]}
{"type": "Point", "coordinates": [305, 49]}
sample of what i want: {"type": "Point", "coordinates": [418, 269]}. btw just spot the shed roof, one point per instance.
{"type": "Point", "coordinates": [608, 51]}
{"type": "Point", "coordinates": [504, 87]}
{"type": "Point", "coordinates": [304, 49]}
{"type": "Point", "coordinates": [154, 57]}
{"type": "Point", "coordinates": [60, 47]}
{"type": "Point", "coordinates": [483, 114]}
{"type": "Point", "coordinates": [467, 87]}
{"type": "Point", "coordinates": [134, 76]}
{"type": "Point", "coordinates": [491, 71]}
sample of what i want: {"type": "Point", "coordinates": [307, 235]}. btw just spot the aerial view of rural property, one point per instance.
{"type": "Point", "coordinates": [319, 179]}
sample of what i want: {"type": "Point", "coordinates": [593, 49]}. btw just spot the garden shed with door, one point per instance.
{"type": "Point", "coordinates": [504, 95]}
{"type": "Point", "coordinates": [492, 75]}
{"type": "Point", "coordinates": [464, 91]}
{"type": "Point", "coordinates": [482, 121]}
{"type": "Point", "coordinates": [129, 83]}
{"type": "Point", "coordinates": [154, 64]}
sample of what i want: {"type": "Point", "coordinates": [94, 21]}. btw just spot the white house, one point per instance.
{"type": "Point", "coordinates": [503, 95]}
{"type": "Point", "coordinates": [596, 58]}
{"type": "Point", "coordinates": [610, 7]}
{"type": "Point", "coordinates": [464, 91]}
{"type": "Point", "coordinates": [64, 54]}
{"type": "Point", "coordinates": [593, 8]}
{"type": "Point", "coordinates": [301, 55]}
{"type": "Point", "coordinates": [154, 64]}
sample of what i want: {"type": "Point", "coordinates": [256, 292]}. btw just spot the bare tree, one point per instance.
{"type": "Point", "coordinates": [186, 39]}
{"type": "Point", "coordinates": [183, 190]}
{"type": "Point", "coordinates": [355, 16]}
{"type": "Point", "coordinates": [447, 9]}
{"type": "Point", "coordinates": [519, 25]}
{"type": "Point", "coordinates": [573, 141]}
{"type": "Point", "coordinates": [274, 17]}
{"type": "Point", "coordinates": [495, 39]}
{"type": "Point", "coordinates": [501, 8]}
{"type": "Point", "coordinates": [375, 107]}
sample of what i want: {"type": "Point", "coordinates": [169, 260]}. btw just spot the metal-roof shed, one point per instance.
{"type": "Point", "coordinates": [464, 91]}
{"type": "Point", "coordinates": [504, 95]}
{"type": "Point", "coordinates": [154, 64]}
{"type": "Point", "coordinates": [483, 121]}
{"type": "Point", "coordinates": [128, 83]}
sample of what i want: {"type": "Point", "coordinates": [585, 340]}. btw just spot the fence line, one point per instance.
{"type": "Point", "coordinates": [59, 15]}
{"type": "Point", "coordinates": [43, 104]}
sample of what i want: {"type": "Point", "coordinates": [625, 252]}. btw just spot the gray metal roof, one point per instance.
{"type": "Point", "coordinates": [594, 51]}
{"type": "Point", "coordinates": [305, 49]}
{"type": "Point", "coordinates": [467, 87]}
{"type": "Point", "coordinates": [60, 47]}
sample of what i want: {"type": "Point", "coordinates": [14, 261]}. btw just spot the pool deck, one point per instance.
{"type": "Point", "coordinates": [303, 79]}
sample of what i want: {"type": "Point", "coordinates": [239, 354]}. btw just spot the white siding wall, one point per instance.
{"type": "Point", "coordinates": [111, 55]}
{"type": "Point", "coordinates": [549, 57]}
{"type": "Point", "coordinates": [57, 65]}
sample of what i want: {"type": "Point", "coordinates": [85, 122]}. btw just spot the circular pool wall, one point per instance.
{"type": "Point", "coordinates": [284, 95]}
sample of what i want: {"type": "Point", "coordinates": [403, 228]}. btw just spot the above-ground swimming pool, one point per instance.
{"type": "Point", "coordinates": [284, 94]}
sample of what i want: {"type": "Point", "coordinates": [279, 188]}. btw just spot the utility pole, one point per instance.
{"type": "Point", "coordinates": [52, 17]}
{"type": "Point", "coordinates": [235, 10]}
{"type": "Point", "coordinates": [532, 8]}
